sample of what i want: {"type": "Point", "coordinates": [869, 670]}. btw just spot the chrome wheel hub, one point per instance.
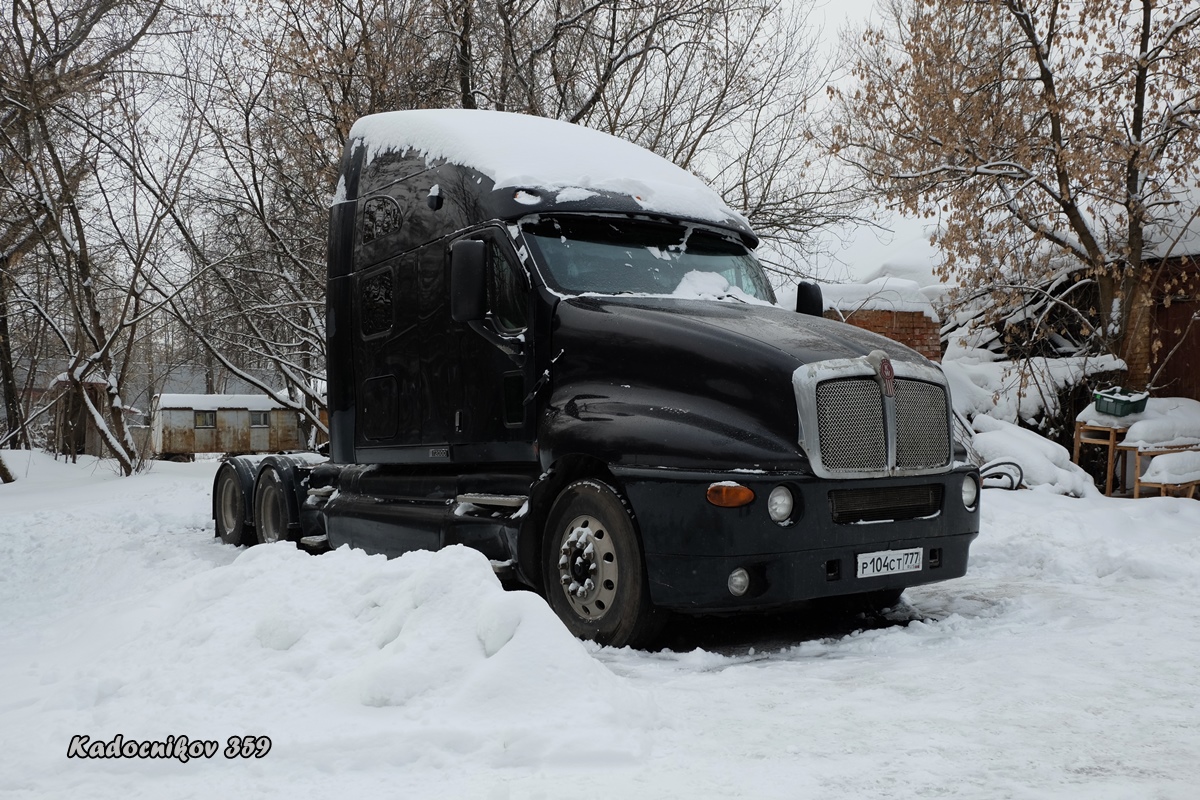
{"type": "Point", "coordinates": [587, 567]}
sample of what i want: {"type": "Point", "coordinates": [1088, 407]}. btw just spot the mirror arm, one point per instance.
{"type": "Point", "coordinates": [507, 345]}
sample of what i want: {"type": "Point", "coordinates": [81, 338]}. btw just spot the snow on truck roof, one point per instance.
{"type": "Point", "coordinates": [215, 402]}
{"type": "Point", "coordinates": [522, 151]}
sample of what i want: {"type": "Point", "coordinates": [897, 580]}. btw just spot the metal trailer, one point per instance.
{"type": "Point", "coordinates": [185, 424]}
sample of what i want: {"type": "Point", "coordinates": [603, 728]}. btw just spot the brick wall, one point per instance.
{"type": "Point", "coordinates": [912, 328]}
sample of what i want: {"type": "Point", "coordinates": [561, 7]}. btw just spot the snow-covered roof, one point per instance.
{"type": "Point", "coordinates": [517, 150]}
{"type": "Point", "coordinates": [1178, 234]}
{"type": "Point", "coordinates": [881, 294]}
{"type": "Point", "coordinates": [216, 402]}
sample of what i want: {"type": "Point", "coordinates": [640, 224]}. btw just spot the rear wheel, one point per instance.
{"type": "Point", "coordinates": [270, 507]}
{"type": "Point", "coordinates": [230, 507]}
{"type": "Point", "coordinates": [592, 567]}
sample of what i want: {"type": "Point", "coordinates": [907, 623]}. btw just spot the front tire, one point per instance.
{"type": "Point", "coordinates": [593, 570]}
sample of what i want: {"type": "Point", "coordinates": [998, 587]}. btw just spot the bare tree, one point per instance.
{"type": "Point", "coordinates": [61, 87]}
{"type": "Point", "coordinates": [1053, 138]}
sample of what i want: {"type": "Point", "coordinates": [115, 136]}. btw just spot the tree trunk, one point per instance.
{"type": "Point", "coordinates": [1135, 345]}
{"type": "Point", "coordinates": [8, 379]}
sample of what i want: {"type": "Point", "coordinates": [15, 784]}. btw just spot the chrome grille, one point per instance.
{"type": "Point", "coordinates": [922, 425]}
{"type": "Point", "coordinates": [891, 503]}
{"type": "Point", "coordinates": [850, 425]}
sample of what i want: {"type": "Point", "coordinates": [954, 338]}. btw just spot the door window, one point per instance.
{"type": "Point", "coordinates": [507, 294]}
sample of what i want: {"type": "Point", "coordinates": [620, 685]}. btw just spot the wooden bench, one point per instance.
{"type": "Point", "coordinates": [1183, 488]}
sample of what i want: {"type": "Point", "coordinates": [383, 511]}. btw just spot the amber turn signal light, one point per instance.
{"type": "Point", "coordinates": [728, 494]}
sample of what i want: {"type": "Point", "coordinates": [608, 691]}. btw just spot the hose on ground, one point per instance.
{"type": "Point", "coordinates": [1009, 473]}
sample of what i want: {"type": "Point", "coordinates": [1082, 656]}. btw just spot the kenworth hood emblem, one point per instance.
{"type": "Point", "coordinates": [883, 367]}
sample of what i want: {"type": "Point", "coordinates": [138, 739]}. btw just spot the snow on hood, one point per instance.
{"type": "Point", "coordinates": [536, 152]}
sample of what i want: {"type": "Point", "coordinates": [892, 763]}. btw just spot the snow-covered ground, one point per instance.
{"type": "Point", "coordinates": [1065, 665]}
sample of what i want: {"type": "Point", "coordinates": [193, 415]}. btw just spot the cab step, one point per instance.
{"type": "Point", "coordinates": [315, 544]}
{"type": "Point", "coordinates": [493, 500]}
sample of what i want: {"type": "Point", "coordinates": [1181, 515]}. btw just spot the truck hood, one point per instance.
{"type": "Point", "coordinates": [800, 339]}
{"type": "Point", "coordinates": [689, 382]}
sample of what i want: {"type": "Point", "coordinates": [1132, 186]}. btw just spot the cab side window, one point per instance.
{"type": "Point", "coordinates": [508, 296]}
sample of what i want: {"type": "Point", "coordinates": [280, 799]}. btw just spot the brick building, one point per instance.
{"type": "Point", "coordinates": [893, 307]}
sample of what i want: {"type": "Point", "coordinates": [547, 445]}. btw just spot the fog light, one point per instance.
{"type": "Point", "coordinates": [739, 582]}
{"type": "Point", "coordinates": [970, 491]}
{"type": "Point", "coordinates": [779, 504]}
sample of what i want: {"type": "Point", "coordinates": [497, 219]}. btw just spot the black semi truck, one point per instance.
{"type": "Point", "coordinates": [552, 346]}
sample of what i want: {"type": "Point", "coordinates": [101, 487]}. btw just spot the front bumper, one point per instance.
{"type": "Point", "coordinates": [691, 546]}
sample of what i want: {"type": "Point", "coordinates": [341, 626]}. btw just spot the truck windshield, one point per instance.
{"type": "Point", "coordinates": [610, 255]}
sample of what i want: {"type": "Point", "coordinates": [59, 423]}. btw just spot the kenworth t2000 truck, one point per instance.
{"type": "Point", "coordinates": [555, 347]}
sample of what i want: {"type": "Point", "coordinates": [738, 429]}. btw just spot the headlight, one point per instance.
{"type": "Point", "coordinates": [970, 491]}
{"type": "Point", "coordinates": [780, 504]}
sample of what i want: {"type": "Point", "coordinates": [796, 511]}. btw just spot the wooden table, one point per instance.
{"type": "Point", "coordinates": [1150, 451]}
{"type": "Point", "coordinates": [1106, 437]}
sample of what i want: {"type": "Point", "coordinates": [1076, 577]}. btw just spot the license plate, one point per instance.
{"type": "Point", "coordinates": [889, 562]}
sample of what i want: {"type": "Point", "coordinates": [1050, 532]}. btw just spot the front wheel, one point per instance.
{"type": "Point", "coordinates": [592, 567]}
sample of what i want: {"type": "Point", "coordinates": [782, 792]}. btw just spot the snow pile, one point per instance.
{"type": "Point", "coordinates": [452, 665]}
{"type": "Point", "coordinates": [569, 160]}
{"type": "Point", "coordinates": [1167, 421]}
{"type": "Point", "coordinates": [982, 382]}
{"type": "Point", "coordinates": [881, 294]}
{"type": "Point", "coordinates": [1066, 664]}
{"type": "Point", "coordinates": [1046, 465]}
{"type": "Point", "coordinates": [123, 615]}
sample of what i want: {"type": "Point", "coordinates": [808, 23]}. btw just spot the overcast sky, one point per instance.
{"type": "Point", "coordinates": [901, 247]}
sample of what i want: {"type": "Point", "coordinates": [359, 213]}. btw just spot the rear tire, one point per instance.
{"type": "Point", "coordinates": [593, 570]}
{"type": "Point", "coordinates": [230, 508]}
{"type": "Point", "coordinates": [271, 515]}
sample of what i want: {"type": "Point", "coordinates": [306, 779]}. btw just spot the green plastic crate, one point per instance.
{"type": "Point", "coordinates": [1117, 402]}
